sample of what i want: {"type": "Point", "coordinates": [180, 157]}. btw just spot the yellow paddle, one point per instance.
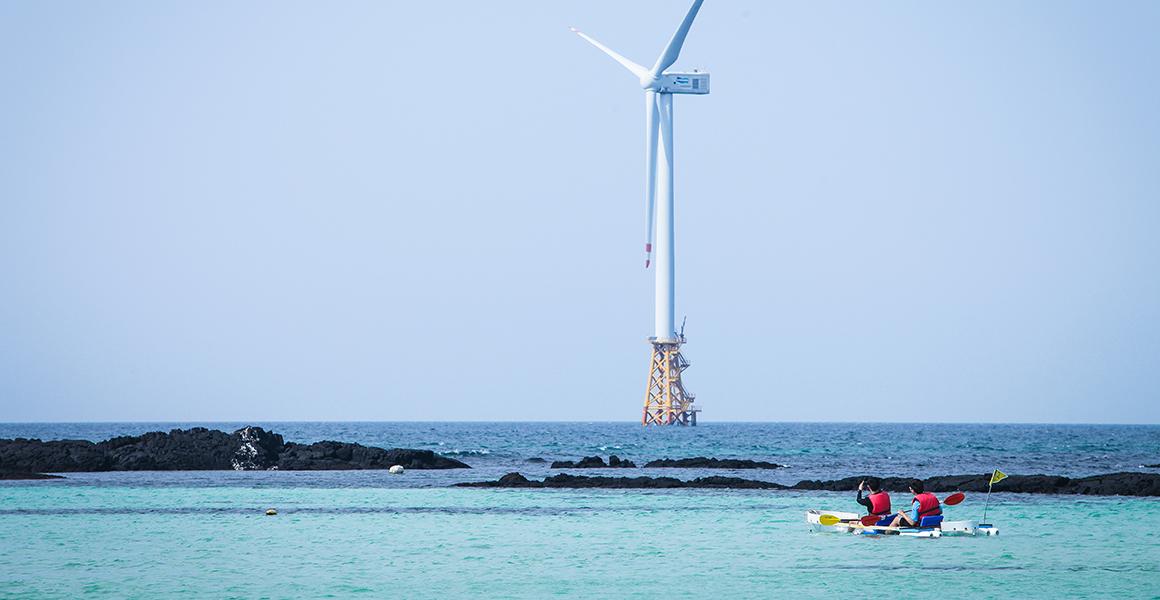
{"type": "Point", "coordinates": [829, 520]}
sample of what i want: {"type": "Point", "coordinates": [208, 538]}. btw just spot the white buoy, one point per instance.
{"type": "Point", "coordinates": [396, 470]}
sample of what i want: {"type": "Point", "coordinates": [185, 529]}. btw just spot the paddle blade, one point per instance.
{"type": "Point", "coordinates": [829, 520]}
{"type": "Point", "coordinates": [954, 498]}
{"type": "Point", "coordinates": [870, 519]}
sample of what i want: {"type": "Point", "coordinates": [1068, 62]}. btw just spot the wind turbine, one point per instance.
{"type": "Point", "coordinates": [666, 401]}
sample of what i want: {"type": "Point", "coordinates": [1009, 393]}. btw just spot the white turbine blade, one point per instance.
{"type": "Point", "coordinates": [673, 50]}
{"type": "Point", "coordinates": [652, 125]}
{"type": "Point", "coordinates": [636, 69]}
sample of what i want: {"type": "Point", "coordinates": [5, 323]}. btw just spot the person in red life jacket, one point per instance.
{"type": "Point", "coordinates": [878, 502]}
{"type": "Point", "coordinates": [925, 504]}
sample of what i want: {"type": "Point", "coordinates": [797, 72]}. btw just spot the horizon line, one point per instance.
{"type": "Point", "coordinates": [578, 421]}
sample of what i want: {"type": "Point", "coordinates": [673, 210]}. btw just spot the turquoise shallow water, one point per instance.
{"type": "Point", "coordinates": [66, 541]}
{"type": "Point", "coordinates": [369, 534]}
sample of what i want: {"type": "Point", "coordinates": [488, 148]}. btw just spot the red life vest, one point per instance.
{"type": "Point", "coordinates": [879, 503]}
{"type": "Point", "coordinates": [927, 505]}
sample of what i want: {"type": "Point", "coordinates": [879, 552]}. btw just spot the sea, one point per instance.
{"type": "Point", "coordinates": [369, 534]}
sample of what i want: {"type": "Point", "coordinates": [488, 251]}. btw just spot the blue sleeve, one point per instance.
{"type": "Point", "coordinates": [914, 511]}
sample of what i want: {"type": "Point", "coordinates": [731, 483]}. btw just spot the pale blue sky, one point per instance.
{"type": "Point", "coordinates": [900, 211]}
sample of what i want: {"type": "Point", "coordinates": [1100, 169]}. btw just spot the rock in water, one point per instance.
{"type": "Point", "coordinates": [329, 455]}
{"type": "Point", "coordinates": [564, 480]}
{"type": "Point", "coordinates": [258, 449]}
{"type": "Point", "coordinates": [594, 462]}
{"type": "Point", "coordinates": [1111, 484]}
{"type": "Point", "coordinates": [513, 480]}
{"type": "Point", "coordinates": [16, 476]}
{"type": "Point", "coordinates": [700, 462]}
{"type": "Point", "coordinates": [615, 462]}
{"type": "Point", "coordinates": [201, 449]}
{"type": "Point", "coordinates": [23, 455]}
{"type": "Point", "coordinates": [1119, 484]}
{"type": "Point", "coordinates": [588, 462]}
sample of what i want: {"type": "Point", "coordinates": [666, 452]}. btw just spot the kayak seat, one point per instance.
{"type": "Point", "coordinates": [885, 520]}
{"type": "Point", "coordinates": [931, 521]}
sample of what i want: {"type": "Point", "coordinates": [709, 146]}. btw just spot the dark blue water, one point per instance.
{"type": "Point", "coordinates": [811, 450]}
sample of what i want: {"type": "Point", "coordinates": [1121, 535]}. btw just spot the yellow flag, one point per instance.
{"type": "Point", "coordinates": [998, 476]}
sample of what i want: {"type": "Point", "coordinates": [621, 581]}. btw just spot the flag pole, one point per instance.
{"type": "Point", "coordinates": [987, 503]}
{"type": "Point", "coordinates": [996, 475]}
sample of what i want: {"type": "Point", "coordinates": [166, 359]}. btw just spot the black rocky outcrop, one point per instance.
{"type": "Point", "coordinates": [700, 462]}
{"type": "Point", "coordinates": [594, 462]}
{"type": "Point", "coordinates": [564, 480]}
{"type": "Point", "coordinates": [1111, 484]}
{"type": "Point", "coordinates": [201, 449]}
{"type": "Point", "coordinates": [17, 475]}
{"type": "Point", "coordinates": [330, 456]}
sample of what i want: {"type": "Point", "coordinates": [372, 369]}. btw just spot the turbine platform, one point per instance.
{"type": "Point", "coordinates": [665, 400]}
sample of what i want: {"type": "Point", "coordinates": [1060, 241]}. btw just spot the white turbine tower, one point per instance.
{"type": "Point", "coordinates": [666, 402]}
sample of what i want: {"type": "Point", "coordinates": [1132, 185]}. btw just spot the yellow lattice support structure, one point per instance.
{"type": "Point", "coordinates": [665, 400]}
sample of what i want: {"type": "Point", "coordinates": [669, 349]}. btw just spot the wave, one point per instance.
{"type": "Point", "coordinates": [458, 452]}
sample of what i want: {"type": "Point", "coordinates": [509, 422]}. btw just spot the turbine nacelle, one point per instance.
{"type": "Point", "coordinates": [695, 82]}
